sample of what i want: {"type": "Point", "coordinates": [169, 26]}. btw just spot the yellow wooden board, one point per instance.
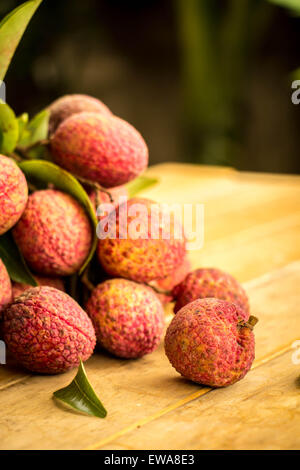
{"type": "Point", "coordinates": [252, 229]}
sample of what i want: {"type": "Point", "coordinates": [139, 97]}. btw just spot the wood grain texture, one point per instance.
{"type": "Point", "coordinates": [262, 412]}
{"type": "Point", "coordinates": [252, 229]}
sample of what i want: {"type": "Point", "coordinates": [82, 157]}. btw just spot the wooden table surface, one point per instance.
{"type": "Point", "coordinates": [252, 230]}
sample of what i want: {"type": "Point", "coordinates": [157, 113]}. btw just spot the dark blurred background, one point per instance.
{"type": "Point", "coordinates": [204, 81]}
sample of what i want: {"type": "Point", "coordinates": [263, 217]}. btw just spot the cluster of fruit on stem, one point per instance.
{"type": "Point", "coordinates": [210, 338]}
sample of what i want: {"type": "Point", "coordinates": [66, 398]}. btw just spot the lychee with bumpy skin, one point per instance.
{"type": "Point", "coordinates": [128, 317]}
{"type": "Point", "coordinates": [18, 288]}
{"type": "Point", "coordinates": [103, 149]}
{"type": "Point", "coordinates": [168, 282]}
{"type": "Point", "coordinates": [5, 287]}
{"type": "Point", "coordinates": [54, 233]}
{"type": "Point", "coordinates": [209, 342]}
{"type": "Point", "coordinates": [210, 282]}
{"type": "Point", "coordinates": [13, 193]}
{"type": "Point", "coordinates": [145, 247]}
{"type": "Point", "coordinates": [67, 105]}
{"type": "Point", "coordinates": [47, 331]}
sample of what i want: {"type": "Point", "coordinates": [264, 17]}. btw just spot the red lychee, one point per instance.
{"type": "Point", "coordinates": [209, 342]}
{"type": "Point", "coordinates": [210, 282]}
{"type": "Point", "coordinates": [13, 193]}
{"type": "Point", "coordinates": [67, 105]}
{"type": "Point", "coordinates": [47, 331]}
{"type": "Point", "coordinates": [146, 247]}
{"type": "Point", "coordinates": [54, 233]}
{"type": "Point", "coordinates": [18, 288]}
{"type": "Point", "coordinates": [168, 282]}
{"type": "Point", "coordinates": [128, 317]}
{"type": "Point", "coordinates": [5, 287]}
{"type": "Point", "coordinates": [103, 149]}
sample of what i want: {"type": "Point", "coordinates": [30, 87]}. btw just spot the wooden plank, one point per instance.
{"type": "Point", "coordinates": [260, 413]}
{"type": "Point", "coordinates": [137, 391]}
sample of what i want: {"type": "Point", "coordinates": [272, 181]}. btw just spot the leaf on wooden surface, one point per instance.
{"type": "Point", "coordinates": [80, 395]}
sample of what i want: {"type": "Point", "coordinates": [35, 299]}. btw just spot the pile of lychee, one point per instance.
{"type": "Point", "coordinates": [209, 340]}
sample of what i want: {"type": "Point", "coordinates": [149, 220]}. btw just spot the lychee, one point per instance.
{"type": "Point", "coordinates": [54, 233]}
{"type": "Point", "coordinates": [18, 288]}
{"type": "Point", "coordinates": [103, 149]}
{"type": "Point", "coordinates": [128, 317]}
{"type": "Point", "coordinates": [67, 105]}
{"type": "Point", "coordinates": [210, 282]}
{"type": "Point", "coordinates": [170, 281]}
{"type": "Point", "coordinates": [5, 287]}
{"type": "Point", "coordinates": [144, 248]}
{"type": "Point", "coordinates": [210, 342]}
{"type": "Point", "coordinates": [47, 331]}
{"type": "Point", "coordinates": [13, 193]}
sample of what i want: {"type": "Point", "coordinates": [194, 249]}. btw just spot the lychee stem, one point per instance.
{"type": "Point", "coordinates": [85, 280]}
{"type": "Point", "coordinates": [252, 320]}
{"type": "Point", "coordinates": [95, 186]}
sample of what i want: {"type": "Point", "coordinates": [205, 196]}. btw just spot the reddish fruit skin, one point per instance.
{"type": "Point", "coordinates": [18, 288]}
{"type": "Point", "coordinates": [54, 233]}
{"type": "Point", "coordinates": [67, 105]}
{"type": "Point", "coordinates": [47, 331]}
{"type": "Point", "coordinates": [99, 148]}
{"type": "Point", "coordinates": [5, 287]}
{"type": "Point", "coordinates": [210, 282]}
{"type": "Point", "coordinates": [143, 258]}
{"type": "Point", "coordinates": [13, 193]}
{"type": "Point", "coordinates": [208, 343]}
{"type": "Point", "coordinates": [128, 317]}
{"type": "Point", "coordinates": [98, 197]}
{"type": "Point", "coordinates": [169, 282]}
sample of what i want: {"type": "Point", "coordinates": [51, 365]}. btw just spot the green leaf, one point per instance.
{"type": "Point", "coordinates": [81, 396]}
{"type": "Point", "coordinates": [139, 184]}
{"type": "Point", "coordinates": [41, 172]}
{"type": "Point", "coordinates": [36, 129]}
{"type": "Point", "coordinates": [14, 261]}
{"type": "Point", "coordinates": [22, 122]}
{"type": "Point", "coordinates": [9, 129]}
{"type": "Point", "coordinates": [293, 5]}
{"type": "Point", "coordinates": [12, 28]}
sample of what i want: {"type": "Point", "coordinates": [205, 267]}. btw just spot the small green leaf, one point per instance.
{"type": "Point", "coordinates": [139, 184]}
{"type": "Point", "coordinates": [22, 121]}
{"type": "Point", "coordinates": [9, 129]}
{"type": "Point", "coordinates": [81, 396]}
{"type": "Point", "coordinates": [36, 129]}
{"type": "Point", "coordinates": [12, 28]}
{"type": "Point", "coordinates": [14, 261]}
{"type": "Point", "coordinates": [41, 172]}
